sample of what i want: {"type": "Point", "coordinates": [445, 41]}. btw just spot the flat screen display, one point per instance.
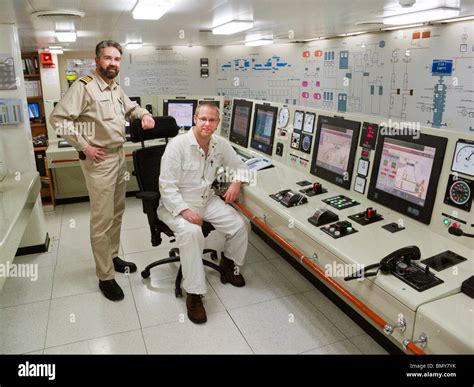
{"type": "Point", "coordinates": [336, 143]}
{"type": "Point", "coordinates": [264, 122]}
{"type": "Point", "coordinates": [406, 173]}
{"type": "Point", "coordinates": [182, 111]}
{"type": "Point", "coordinates": [240, 124]}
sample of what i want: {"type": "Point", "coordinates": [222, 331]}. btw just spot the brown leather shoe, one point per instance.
{"type": "Point", "coordinates": [232, 272]}
{"type": "Point", "coordinates": [196, 311]}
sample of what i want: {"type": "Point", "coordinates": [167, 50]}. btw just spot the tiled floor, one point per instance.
{"type": "Point", "coordinates": [63, 311]}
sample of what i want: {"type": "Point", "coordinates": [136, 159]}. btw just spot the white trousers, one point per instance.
{"type": "Point", "coordinates": [190, 239]}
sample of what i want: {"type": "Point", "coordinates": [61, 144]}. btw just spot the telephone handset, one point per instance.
{"type": "Point", "coordinates": [388, 263]}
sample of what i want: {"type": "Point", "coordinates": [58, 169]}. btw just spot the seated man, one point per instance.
{"type": "Point", "coordinates": [188, 169]}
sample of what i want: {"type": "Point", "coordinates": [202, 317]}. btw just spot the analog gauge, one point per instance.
{"type": "Point", "coordinates": [298, 120]}
{"type": "Point", "coordinates": [463, 161]}
{"type": "Point", "coordinates": [306, 143]}
{"type": "Point", "coordinates": [308, 125]}
{"type": "Point", "coordinates": [460, 192]}
{"type": "Point", "coordinates": [283, 117]}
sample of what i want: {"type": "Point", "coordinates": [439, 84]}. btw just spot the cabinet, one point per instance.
{"type": "Point", "coordinates": [34, 96]}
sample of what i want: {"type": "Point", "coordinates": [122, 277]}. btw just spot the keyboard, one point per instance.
{"type": "Point", "coordinates": [64, 144]}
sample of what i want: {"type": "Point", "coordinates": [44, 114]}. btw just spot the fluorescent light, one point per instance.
{"type": "Point", "coordinates": [458, 19]}
{"type": "Point", "coordinates": [259, 42]}
{"type": "Point", "coordinates": [133, 45]}
{"type": "Point", "coordinates": [426, 15]}
{"type": "Point", "coordinates": [55, 50]}
{"type": "Point", "coordinates": [404, 26]}
{"type": "Point", "coordinates": [66, 36]}
{"type": "Point", "coordinates": [232, 27]}
{"type": "Point", "coordinates": [151, 9]}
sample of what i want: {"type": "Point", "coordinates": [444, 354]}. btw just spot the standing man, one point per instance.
{"type": "Point", "coordinates": [188, 168]}
{"type": "Point", "coordinates": [91, 117]}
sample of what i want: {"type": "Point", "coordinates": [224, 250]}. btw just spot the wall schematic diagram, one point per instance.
{"type": "Point", "coordinates": [389, 75]}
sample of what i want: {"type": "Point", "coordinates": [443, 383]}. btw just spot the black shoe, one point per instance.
{"type": "Point", "coordinates": [122, 266]}
{"type": "Point", "coordinates": [111, 290]}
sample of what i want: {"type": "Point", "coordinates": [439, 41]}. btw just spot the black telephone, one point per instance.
{"type": "Point", "coordinates": [388, 263]}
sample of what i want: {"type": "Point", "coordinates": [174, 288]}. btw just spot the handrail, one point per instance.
{"type": "Point", "coordinates": [306, 261]}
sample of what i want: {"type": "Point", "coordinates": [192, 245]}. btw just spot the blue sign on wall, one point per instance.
{"type": "Point", "coordinates": [442, 67]}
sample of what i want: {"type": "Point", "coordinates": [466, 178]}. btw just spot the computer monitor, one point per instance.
{"type": "Point", "coordinates": [240, 124]}
{"type": "Point", "coordinates": [182, 110]}
{"type": "Point", "coordinates": [137, 100]}
{"type": "Point", "coordinates": [33, 110]}
{"type": "Point", "coordinates": [334, 150]}
{"type": "Point", "coordinates": [406, 173]}
{"type": "Point", "coordinates": [217, 103]}
{"type": "Point", "coordinates": [264, 122]}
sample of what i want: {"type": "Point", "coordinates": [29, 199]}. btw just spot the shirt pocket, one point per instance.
{"type": "Point", "coordinates": [106, 110]}
{"type": "Point", "coordinates": [191, 174]}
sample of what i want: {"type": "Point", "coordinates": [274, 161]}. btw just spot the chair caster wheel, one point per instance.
{"type": "Point", "coordinates": [224, 279]}
{"type": "Point", "coordinates": [178, 293]}
{"type": "Point", "coordinates": [145, 273]}
{"type": "Point", "coordinates": [214, 256]}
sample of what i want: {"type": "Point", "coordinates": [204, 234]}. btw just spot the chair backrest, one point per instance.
{"type": "Point", "coordinates": [147, 160]}
{"type": "Point", "coordinates": [147, 163]}
{"type": "Point", "coordinates": [165, 127]}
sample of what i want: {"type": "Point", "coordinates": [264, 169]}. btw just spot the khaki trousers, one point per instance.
{"type": "Point", "coordinates": [106, 184]}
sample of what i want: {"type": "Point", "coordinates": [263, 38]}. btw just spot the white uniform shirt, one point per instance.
{"type": "Point", "coordinates": [186, 175]}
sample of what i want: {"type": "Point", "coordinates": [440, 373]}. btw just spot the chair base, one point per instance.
{"type": "Point", "coordinates": [174, 257]}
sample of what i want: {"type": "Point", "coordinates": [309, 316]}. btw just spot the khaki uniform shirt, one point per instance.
{"type": "Point", "coordinates": [186, 174]}
{"type": "Point", "coordinates": [94, 113]}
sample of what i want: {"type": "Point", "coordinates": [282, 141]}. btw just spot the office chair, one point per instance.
{"type": "Point", "coordinates": [147, 163]}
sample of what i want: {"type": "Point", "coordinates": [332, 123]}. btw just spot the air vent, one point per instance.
{"type": "Point", "coordinates": [58, 14]}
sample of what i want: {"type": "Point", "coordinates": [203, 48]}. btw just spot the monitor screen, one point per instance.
{"type": "Point", "coordinates": [182, 110]}
{"type": "Point", "coordinates": [137, 100]}
{"type": "Point", "coordinates": [33, 110]}
{"type": "Point", "coordinates": [217, 103]}
{"type": "Point", "coordinates": [334, 150]}
{"type": "Point", "coordinates": [406, 173]}
{"type": "Point", "coordinates": [240, 124]}
{"type": "Point", "coordinates": [264, 122]}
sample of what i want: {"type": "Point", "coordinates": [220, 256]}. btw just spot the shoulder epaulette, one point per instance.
{"type": "Point", "coordinates": [86, 79]}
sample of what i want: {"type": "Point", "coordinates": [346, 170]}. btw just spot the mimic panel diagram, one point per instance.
{"type": "Point", "coordinates": [390, 74]}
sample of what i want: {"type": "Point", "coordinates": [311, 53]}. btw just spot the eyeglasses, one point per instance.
{"type": "Point", "coordinates": [210, 120]}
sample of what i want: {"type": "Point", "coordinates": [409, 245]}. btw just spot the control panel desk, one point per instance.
{"type": "Point", "coordinates": [17, 198]}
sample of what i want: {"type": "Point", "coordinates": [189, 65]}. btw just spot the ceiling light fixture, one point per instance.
{"type": "Point", "coordinates": [55, 50]}
{"type": "Point", "coordinates": [259, 42]}
{"type": "Point", "coordinates": [66, 36]}
{"type": "Point", "coordinates": [427, 15]}
{"type": "Point", "coordinates": [232, 27]}
{"type": "Point", "coordinates": [151, 9]}
{"type": "Point", "coordinates": [133, 45]}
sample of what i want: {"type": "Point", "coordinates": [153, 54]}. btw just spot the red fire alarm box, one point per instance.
{"type": "Point", "coordinates": [47, 59]}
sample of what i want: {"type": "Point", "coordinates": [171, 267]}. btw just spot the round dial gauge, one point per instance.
{"type": "Point", "coordinates": [306, 144]}
{"type": "Point", "coordinates": [283, 117]}
{"type": "Point", "coordinates": [460, 192]}
{"type": "Point", "coordinates": [298, 120]}
{"type": "Point", "coordinates": [308, 123]}
{"type": "Point", "coordinates": [463, 161]}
